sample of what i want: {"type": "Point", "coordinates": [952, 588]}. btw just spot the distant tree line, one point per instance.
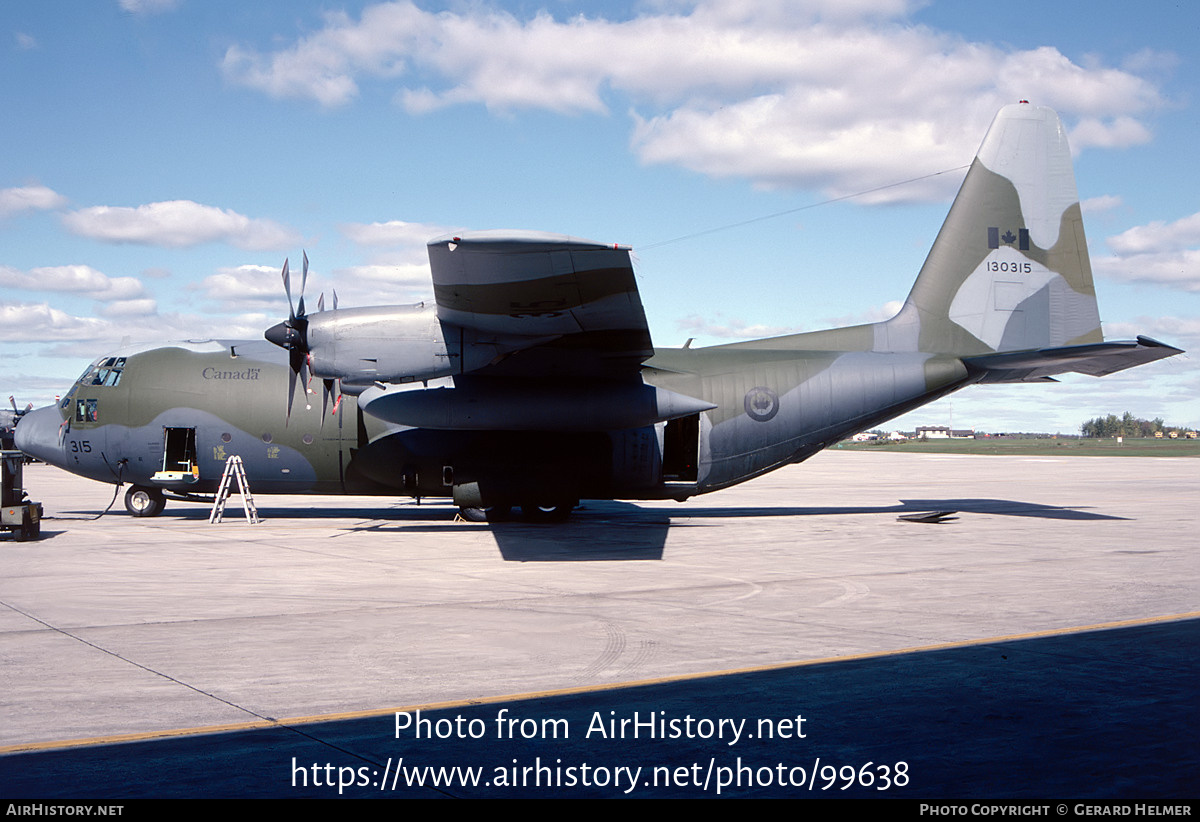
{"type": "Point", "coordinates": [1123, 426]}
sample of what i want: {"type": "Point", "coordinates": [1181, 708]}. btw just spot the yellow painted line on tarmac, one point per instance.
{"type": "Point", "coordinates": [583, 689]}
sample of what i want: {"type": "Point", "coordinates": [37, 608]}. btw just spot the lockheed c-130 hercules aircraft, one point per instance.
{"type": "Point", "coordinates": [531, 381]}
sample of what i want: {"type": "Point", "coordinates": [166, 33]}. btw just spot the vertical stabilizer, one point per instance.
{"type": "Point", "coordinates": [1009, 270]}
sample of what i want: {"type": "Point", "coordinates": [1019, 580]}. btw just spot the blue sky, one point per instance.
{"type": "Point", "coordinates": [161, 158]}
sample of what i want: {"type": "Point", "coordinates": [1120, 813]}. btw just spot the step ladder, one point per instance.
{"type": "Point", "coordinates": [234, 470]}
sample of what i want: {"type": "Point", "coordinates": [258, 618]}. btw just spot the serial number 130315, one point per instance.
{"type": "Point", "coordinates": [1010, 268]}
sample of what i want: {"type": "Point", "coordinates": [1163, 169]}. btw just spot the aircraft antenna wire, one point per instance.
{"type": "Point", "coordinates": [784, 213]}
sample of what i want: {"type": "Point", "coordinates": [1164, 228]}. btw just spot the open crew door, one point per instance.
{"type": "Point", "coordinates": [179, 456]}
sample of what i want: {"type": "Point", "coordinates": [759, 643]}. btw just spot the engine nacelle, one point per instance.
{"type": "Point", "coordinates": [396, 344]}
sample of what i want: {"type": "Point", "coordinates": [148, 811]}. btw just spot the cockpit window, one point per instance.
{"type": "Point", "coordinates": [106, 372]}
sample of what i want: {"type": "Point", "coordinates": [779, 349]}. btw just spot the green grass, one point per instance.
{"type": "Point", "coordinates": [1016, 446]}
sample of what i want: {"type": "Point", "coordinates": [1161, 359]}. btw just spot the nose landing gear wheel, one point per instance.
{"type": "Point", "coordinates": [144, 502]}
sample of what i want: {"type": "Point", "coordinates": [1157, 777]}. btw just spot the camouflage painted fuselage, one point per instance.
{"type": "Point", "coordinates": [772, 408]}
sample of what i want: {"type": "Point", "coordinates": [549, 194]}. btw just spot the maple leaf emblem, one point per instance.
{"type": "Point", "coordinates": [1008, 237]}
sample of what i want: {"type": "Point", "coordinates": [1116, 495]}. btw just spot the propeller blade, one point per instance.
{"type": "Point", "coordinates": [304, 381]}
{"type": "Point", "coordinates": [291, 393]}
{"type": "Point", "coordinates": [303, 283]}
{"type": "Point", "coordinates": [335, 299]}
{"type": "Point", "coordinates": [287, 288]}
{"type": "Point", "coordinates": [321, 302]}
{"type": "Point", "coordinates": [14, 402]}
{"type": "Point", "coordinates": [296, 369]}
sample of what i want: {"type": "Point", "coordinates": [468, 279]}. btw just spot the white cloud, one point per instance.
{"type": "Point", "coordinates": [1119, 132]}
{"type": "Point", "coordinates": [78, 279]}
{"type": "Point", "coordinates": [26, 42]}
{"type": "Point", "coordinates": [394, 233]}
{"type": "Point", "coordinates": [178, 224]}
{"type": "Point", "coordinates": [81, 337]}
{"type": "Point", "coordinates": [1102, 203]}
{"type": "Point", "coordinates": [148, 6]}
{"type": "Point", "coordinates": [698, 326]}
{"type": "Point", "coordinates": [131, 308]}
{"type": "Point", "coordinates": [245, 282]}
{"type": "Point", "coordinates": [29, 198]}
{"type": "Point", "coordinates": [874, 314]}
{"type": "Point", "coordinates": [398, 273]}
{"type": "Point", "coordinates": [257, 286]}
{"type": "Point", "coordinates": [1174, 269]}
{"type": "Point", "coordinates": [1158, 252]}
{"type": "Point", "coordinates": [842, 96]}
{"type": "Point", "coordinates": [1182, 332]}
{"type": "Point", "coordinates": [1158, 236]}
{"type": "Point", "coordinates": [40, 322]}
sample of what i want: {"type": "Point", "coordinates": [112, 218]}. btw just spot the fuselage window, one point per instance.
{"type": "Point", "coordinates": [87, 410]}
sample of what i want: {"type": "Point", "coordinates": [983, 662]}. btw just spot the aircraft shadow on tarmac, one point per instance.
{"type": "Point", "coordinates": [610, 530]}
{"type": "Point", "coordinates": [1001, 507]}
{"type": "Point", "coordinates": [605, 531]}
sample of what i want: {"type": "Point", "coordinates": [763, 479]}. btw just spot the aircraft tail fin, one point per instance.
{"type": "Point", "coordinates": [1009, 270]}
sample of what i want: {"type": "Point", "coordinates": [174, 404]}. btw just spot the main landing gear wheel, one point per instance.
{"type": "Point", "coordinates": [493, 513]}
{"type": "Point", "coordinates": [144, 502]}
{"type": "Point", "coordinates": [547, 512]}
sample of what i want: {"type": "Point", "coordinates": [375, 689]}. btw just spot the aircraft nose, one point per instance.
{"type": "Point", "coordinates": [37, 435]}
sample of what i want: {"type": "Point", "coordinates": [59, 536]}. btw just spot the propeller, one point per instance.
{"type": "Point", "coordinates": [292, 335]}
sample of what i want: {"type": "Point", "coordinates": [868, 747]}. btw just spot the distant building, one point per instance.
{"type": "Point", "coordinates": [943, 432]}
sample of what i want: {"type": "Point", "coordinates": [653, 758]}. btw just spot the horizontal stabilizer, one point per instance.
{"type": "Point", "coordinates": [1096, 359]}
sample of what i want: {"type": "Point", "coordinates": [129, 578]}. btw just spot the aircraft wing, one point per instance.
{"type": "Point", "coordinates": [1096, 359]}
{"type": "Point", "coordinates": [578, 298]}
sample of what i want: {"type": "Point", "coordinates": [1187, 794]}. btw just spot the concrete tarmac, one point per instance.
{"type": "Point", "coordinates": [121, 626]}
